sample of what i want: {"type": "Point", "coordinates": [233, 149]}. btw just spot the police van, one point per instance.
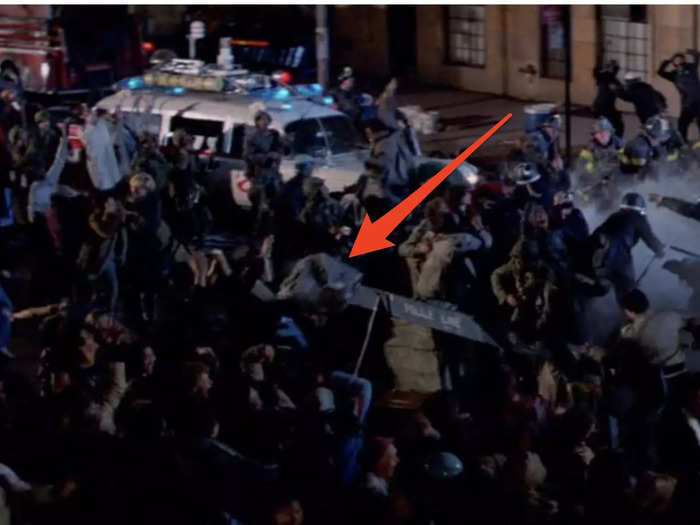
{"type": "Point", "coordinates": [216, 106]}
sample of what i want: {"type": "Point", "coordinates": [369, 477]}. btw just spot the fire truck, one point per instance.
{"type": "Point", "coordinates": [68, 49]}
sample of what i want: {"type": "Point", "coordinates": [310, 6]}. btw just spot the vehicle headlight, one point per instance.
{"type": "Point", "coordinates": [44, 70]}
{"type": "Point", "coordinates": [472, 178]}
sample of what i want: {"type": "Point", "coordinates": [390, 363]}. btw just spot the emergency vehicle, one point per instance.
{"type": "Point", "coordinates": [216, 104]}
{"type": "Point", "coordinates": [68, 49]}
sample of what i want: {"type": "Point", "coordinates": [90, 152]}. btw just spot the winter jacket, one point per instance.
{"type": "Point", "coordinates": [604, 103]}
{"type": "Point", "coordinates": [621, 231]}
{"type": "Point", "coordinates": [646, 100]}
{"type": "Point", "coordinates": [685, 79]}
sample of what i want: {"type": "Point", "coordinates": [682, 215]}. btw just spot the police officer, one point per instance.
{"type": "Point", "coordinates": [647, 101]}
{"type": "Point", "coordinates": [263, 154]}
{"type": "Point", "coordinates": [542, 145]}
{"type": "Point", "coordinates": [657, 143]}
{"type": "Point", "coordinates": [530, 185]}
{"type": "Point", "coordinates": [680, 206]}
{"type": "Point", "coordinates": [614, 240]}
{"type": "Point", "coordinates": [600, 156]}
{"type": "Point", "coordinates": [346, 97]}
{"type": "Point", "coordinates": [685, 76]}
{"type": "Point", "coordinates": [604, 103]}
{"type": "Point", "coordinates": [598, 162]}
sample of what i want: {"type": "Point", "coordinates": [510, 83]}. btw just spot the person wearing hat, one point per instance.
{"type": "Point", "coordinates": [604, 103]}
{"type": "Point", "coordinates": [616, 237]}
{"type": "Point", "coordinates": [658, 143]}
{"type": "Point", "coordinates": [542, 145]}
{"type": "Point", "coordinates": [346, 98]}
{"type": "Point", "coordinates": [263, 154]}
{"type": "Point", "coordinates": [598, 162]}
{"type": "Point", "coordinates": [684, 76]}
{"type": "Point", "coordinates": [646, 100]}
{"type": "Point", "coordinates": [530, 185]}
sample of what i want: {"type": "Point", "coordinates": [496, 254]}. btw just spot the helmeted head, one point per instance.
{"type": "Point", "coordinates": [552, 125]}
{"type": "Point", "coordinates": [634, 202]}
{"type": "Point", "coordinates": [346, 78]}
{"type": "Point", "coordinates": [602, 131]}
{"type": "Point", "coordinates": [525, 173]}
{"type": "Point", "coordinates": [658, 128]}
{"type": "Point", "coordinates": [562, 198]}
{"type": "Point", "coordinates": [631, 77]}
{"type": "Point", "coordinates": [262, 119]}
{"type": "Point", "coordinates": [304, 165]}
{"type": "Point", "coordinates": [443, 466]}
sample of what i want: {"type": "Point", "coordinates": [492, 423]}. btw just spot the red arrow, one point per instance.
{"type": "Point", "coordinates": [372, 235]}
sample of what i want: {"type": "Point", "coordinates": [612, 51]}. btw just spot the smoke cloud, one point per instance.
{"type": "Point", "coordinates": [664, 289]}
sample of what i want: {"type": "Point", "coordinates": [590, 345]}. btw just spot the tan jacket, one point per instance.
{"type": "Point", "coordinates": [428, 271]}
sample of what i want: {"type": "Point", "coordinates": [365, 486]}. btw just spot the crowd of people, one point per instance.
{"type": "Point", "coordinates": [162, 361]}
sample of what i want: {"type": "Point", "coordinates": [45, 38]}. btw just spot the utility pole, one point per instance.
{"type": "Point", "coordinates": [567, 81]}
{"type": "Point", "coordinates": [322, 44]}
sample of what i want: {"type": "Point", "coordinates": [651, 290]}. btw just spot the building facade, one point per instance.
{"type": "Point", "coordinates": [518, 51]}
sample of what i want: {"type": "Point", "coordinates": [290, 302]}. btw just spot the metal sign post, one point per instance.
{"type": "Point", "coordinates": [567, 81]}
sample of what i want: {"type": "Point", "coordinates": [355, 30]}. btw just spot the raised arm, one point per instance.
{"type": "Point", "coordinates": [664, 73]}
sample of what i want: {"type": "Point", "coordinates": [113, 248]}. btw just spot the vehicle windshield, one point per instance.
{"type": "Point", "coordinates": [314, 136]}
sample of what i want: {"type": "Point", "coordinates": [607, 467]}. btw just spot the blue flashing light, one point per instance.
{"type": "Point", "coordinates": [328, 101]}
{"type": "Point", "coordinates": [179, 90]}
{"type": "Point", "coordinates": [286, 107]}
{"type": "Point", "coordinates": [317, 88]}
{"type": "Point", "coordinates": [135, 83]}
{"type": "Point", "coordinates": [281, 94]}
